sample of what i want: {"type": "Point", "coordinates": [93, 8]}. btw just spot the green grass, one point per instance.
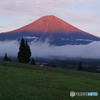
{"type": "Point", "coordinates": [27, 82]}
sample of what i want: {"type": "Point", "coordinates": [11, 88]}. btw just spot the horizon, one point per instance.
{"type": "Point", "coordinates": [83, 14]}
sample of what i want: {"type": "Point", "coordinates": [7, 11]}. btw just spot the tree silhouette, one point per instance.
{"type": "Point", "coordinates": [33, 61]}
{"type": "Point", "coordinates": [24, 52]}
{"type": "Point", "coordinates": [80, 67]}
{"type": "Point", "coordinates": [6, 58]}
{"type": "Point", "coordinates": [54, 66]}
{"type": "Point", "coordinates": [28, 52]}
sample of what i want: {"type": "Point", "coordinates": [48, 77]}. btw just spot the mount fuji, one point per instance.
{"type": "Point", "coordinates": [53, 29]}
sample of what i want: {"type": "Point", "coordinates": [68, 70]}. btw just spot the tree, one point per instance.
{"type": "Point", "coordinates": [6, 58]}
{"type": "Point", "coordinates": [80, 67]}
{"type": "Point", "coordinates": [33, 61]}
{"type": "Point", "coordinates": [28, 53]}
{"type": "Point", "coordinates": [92, 68]}
{"type": "Point", "coordinates": [24, 52]}
{"type": "Point", "coordinates": [54, 66]}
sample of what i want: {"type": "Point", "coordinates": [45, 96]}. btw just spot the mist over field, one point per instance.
{"type": "Point", "coordinates": [39, 49]}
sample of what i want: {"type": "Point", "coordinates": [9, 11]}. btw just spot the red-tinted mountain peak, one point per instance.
{"type": "Point", "coordinates": [49, 24]}
{"type": "Point", "coordinates": [56, 30]}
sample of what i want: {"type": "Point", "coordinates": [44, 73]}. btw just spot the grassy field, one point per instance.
{"type": "Point", "coordinates": [27, 82]}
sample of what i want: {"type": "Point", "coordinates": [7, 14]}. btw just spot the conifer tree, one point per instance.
{"type": "Point", "coordinates": [28, 52]}
{"type": "Point", "coordinates": [33, 61]}
{"type": "Point", "coordinates": [6, 58]}
{"type": "Point", "coordinates": [24, 52]}
{"type": "Point", "coordinates": [80, 67]}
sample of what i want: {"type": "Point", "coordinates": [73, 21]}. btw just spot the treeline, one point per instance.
{"type": "Point", "coordinates": [24, 53]}
{"type": "Point", "coordinates": [91, 68]}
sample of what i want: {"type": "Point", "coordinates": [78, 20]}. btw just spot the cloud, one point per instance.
{"type": "Point", "coordinates": [87, 19]}
{"type": "Point", "coordinates": [91, 50]}
{"type": "Point", "coordinates": [28, 6]}
{"type": "Point", "coordinates": [73, 51]}
{"type": "Point", "coordinates": [30, 37]}
{"type": "Point", "coordinates": [9, 47]}
{"type": "Point", "coordinates": [3, 27]}
{"type": "Point", "coordinates": [32, 8]}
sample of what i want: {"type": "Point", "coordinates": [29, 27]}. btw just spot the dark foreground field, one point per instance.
{"type": "Point", "coordinates": [26, 82]}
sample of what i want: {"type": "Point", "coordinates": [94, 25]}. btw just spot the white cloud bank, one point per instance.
{"type": "Point", "coordinates": [91, 50]}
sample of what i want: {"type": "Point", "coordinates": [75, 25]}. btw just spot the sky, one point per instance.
{"type": "Point", "coordinates": [83, 14]}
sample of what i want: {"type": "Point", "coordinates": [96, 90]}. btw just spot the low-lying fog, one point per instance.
{"type": "Point", "coordinates": [91, 50]}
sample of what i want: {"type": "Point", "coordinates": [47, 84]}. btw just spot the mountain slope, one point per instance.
{"type": "Point", "coordinates": [57, 31]}
{"type": "Point", "coordinates": [49, 24]}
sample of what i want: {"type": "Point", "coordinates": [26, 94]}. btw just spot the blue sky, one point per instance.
{"type": "Point", "coordinates": [84, 14]}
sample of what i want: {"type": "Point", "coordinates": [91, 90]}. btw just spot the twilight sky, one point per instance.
{"type": "Point", "coordinates": [83, 14]}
